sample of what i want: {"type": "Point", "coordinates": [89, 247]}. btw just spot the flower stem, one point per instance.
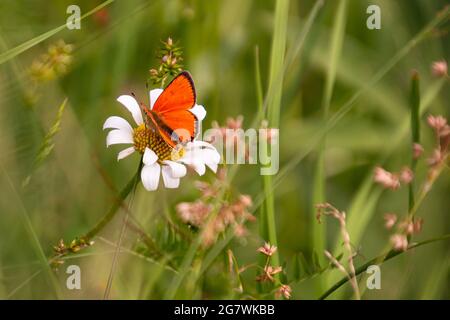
{"type": "Point", "coordinates": [319, 195]}
{"type": "Point", "coordinates": [379, 260]}
{"type": "Point", "coordinates": [131, 185]}
{"type": "Point", "coordinates": [415, 130]}
{"type": "Point", "coordinates": [431, 179]}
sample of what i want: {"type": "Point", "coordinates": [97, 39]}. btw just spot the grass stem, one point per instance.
{"type": "Point", "coordinates": [273, 110]}
{"type": "Point", "coordinates": [131, 185]}
{"type": "Point", "coordinates": [319, 182]}
{"type": "Point", "coordinates": [415, 130]}
{"type": "Point", "coordinates": [379, 260]}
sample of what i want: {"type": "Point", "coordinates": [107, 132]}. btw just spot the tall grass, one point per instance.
{"type": "Point", "coordinates": [25, 219]}
{"type": "Point", "coordinates": [319, 189]}
{"type": "Point", "coordinates": [363, 90]}
{"type": "Point", "coordinates": [10, 54]}
{"type": "Point", "coordinates": [274, 95]}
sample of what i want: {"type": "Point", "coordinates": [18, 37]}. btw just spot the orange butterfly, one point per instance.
{"type": "Point", "coordinates": [170, 115]}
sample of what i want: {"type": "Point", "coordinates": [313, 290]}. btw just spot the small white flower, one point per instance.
{"type": "Point", "coordinates": [158, 157]}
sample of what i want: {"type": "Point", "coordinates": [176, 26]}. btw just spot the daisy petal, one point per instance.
{"type": "Point", "coordinates": [118, 136]}
{"type": "Point", "coordinates": [210, 156]}
{"type": "Point", "coordinates": [125, 153]}
{"type": "Point", "coordinates": [150, 157]}
{"type": "Point", "coordinates": [199, 111]}
{"type": "Point", "coordinates": [132, 105]}
{"type": "Point", "coordinates": [198, 166]}
{"type": "Point", "coordinates": [177, 170]}
{"type": "Point", "coordinates": [150, 176]}
{"type": "Point", "coordinates": [198, 145]}
{"type": "Point", "coordinates": [192, 158]}
{"type": "Point", "coordinates": [115, 122]}
{"type": "Point", "coordinates": [213, 166]}
{"type": "Point", "coordinates": [169, 181]}
{"type": "Point", "coordinates": [154, 94]}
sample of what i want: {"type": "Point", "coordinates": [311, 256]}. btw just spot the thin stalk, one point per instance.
{"type": "Point", "coordinates": [319, 189]}
{"type": "Point", "coordinates": [427, 188]}
{"type": "Point", "coordinates": [163, 263]}
{"type": "Point", "coordinates": [114, 208]}
{"type": "Point", "coordinates": [122, 234]}
{"type": "Point", "coordinates": [349, 105]}
{"type": "Point", "coordinates": [258, 84]}
{"type": "Point", "coordinates": [270, 218]}
{"type": "Point", "coordinates": [20, 286]}
{"type": "Point", "coordinates": [389, 252]}
{"type": "Point", "coordinates": [363, 204]}
{"type": "Point", "coordinates": [24, 216]}
{"type": "Point", "coordinates": [261, 115]}
{"type": "Point", "coordinates": [415, 130]}
{"type": "Point", "coordinates": [277, 62]}
{"type": "Point", "coordinates": [10, 54]}
{"type": "Point", "coordinates": [400, 135]}
{"type": "Point", "coordinates": [380, 260]}
{"type": "Point", "coordinates": [196, 243]}
{"type": "Point", "coordinates": [273, 109]}
{"type": "Point", "coordinates": [190, 254]}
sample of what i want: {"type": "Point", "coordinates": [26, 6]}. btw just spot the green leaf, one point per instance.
{"type": "Point", "coordinates": [316, 261]}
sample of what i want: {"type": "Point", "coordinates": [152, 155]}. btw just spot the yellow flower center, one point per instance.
{"type": "Point", "coordinates": [145, 138]}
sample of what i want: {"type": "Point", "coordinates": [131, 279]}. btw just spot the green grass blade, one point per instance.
{"type": "Point", "coordinates": [273, 109]}
{"type": "Point", "coordinates": [184, 269]}
{"type": "Point", "coordinates": [363, 204]}
{"type": "Point", "coordinates": [25, 218]}
{"type": "Point", "coordinates": [380, 260]}
{"type": "Point", "coordinates": [319, 192]}
{"type": "Point", "coordinates": [10, 54]}
{"type": "Point", "coordinates": [437, 281]}
{"type": "Point", "coordinates": [290, 57]}
{"type": "Point", "coordinates": [277, 62]}
{"type": "Point", "coordinates": [258, 84]}
{"type": "Point", "coordinates": [349, 105]}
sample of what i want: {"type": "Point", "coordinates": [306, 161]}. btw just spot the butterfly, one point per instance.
{"type": "Point", "coordinates": [170, 115]}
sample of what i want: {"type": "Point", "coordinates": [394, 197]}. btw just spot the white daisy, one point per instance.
{"type": "Point", "coordinates": [158, 156]}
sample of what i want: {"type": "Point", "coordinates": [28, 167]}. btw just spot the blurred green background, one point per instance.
{"type": "Point", "coordinates": [114, 50]}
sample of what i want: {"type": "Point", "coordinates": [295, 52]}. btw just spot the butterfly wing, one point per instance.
{"type": "Point", "coordinates": [171, 114]}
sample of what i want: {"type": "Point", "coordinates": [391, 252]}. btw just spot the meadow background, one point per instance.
{"type": "Point", "coordinates": [66, 193]}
